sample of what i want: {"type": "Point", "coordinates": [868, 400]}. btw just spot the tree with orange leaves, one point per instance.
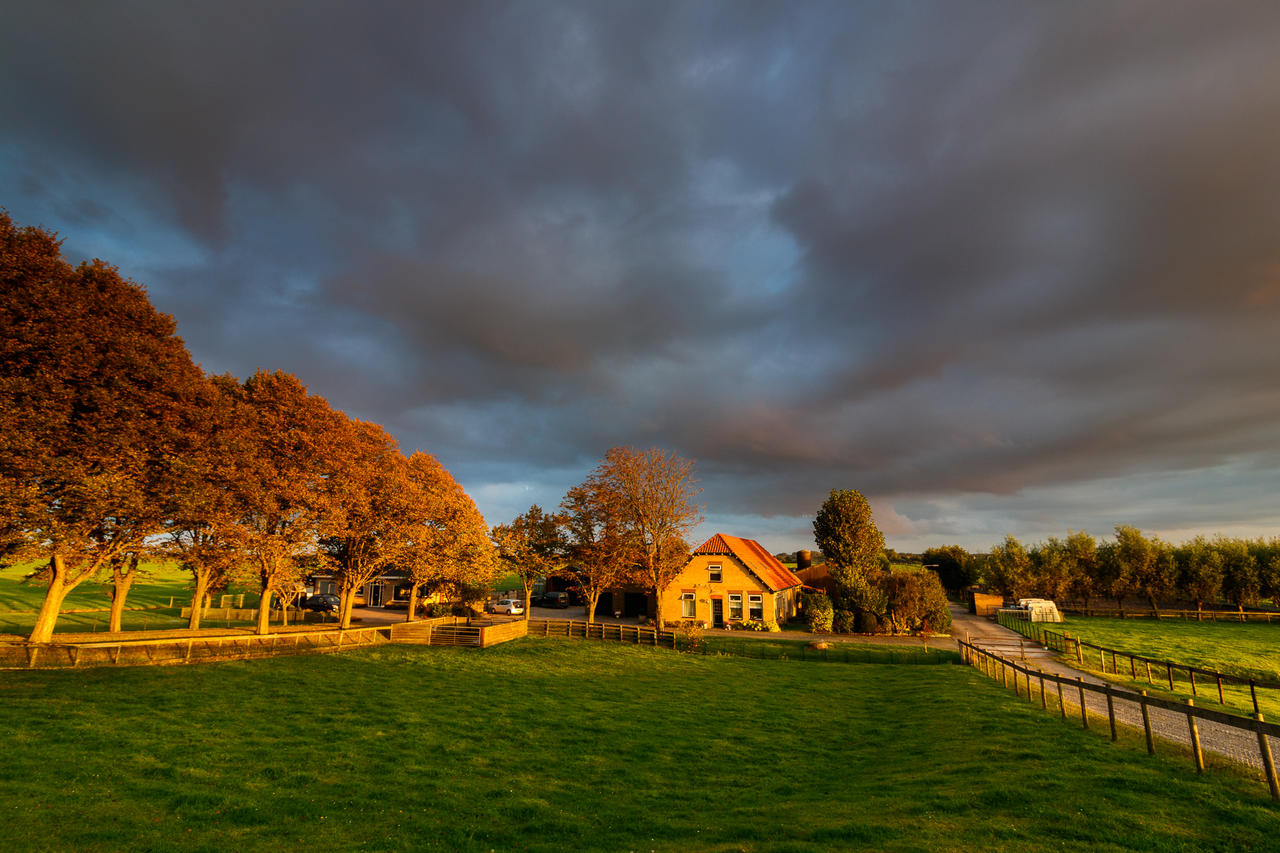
{"type": "Point", "coordinates": [655, 491]}
{"type": "Point", "coordinates": [96, 402]}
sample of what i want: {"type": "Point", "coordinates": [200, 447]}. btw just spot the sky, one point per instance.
{"type": "Point", "coordinates": [1003, 267]}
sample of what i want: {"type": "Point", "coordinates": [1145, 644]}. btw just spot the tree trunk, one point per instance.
{"type": "Point", "coordinates": [203, 577]}
{"type": "Point", "coordinates": [593, 599]}
{"type": "Point", "coordinates": [121, 581]}
{"type": "Point", "coordinates": [657, 606]}
{"type": "Point", "coordinates": [1155, 607]}
{"type": "Point", "coordinates": [264, 611]}
{"type": "Point", "coordinates": [413, 602]}
{"type": "Point", "coordinates": [42, 632]}
{"type": "Point", "coordinates": [348, 602]}
{"type": "Point", "coordinates": [528, 596]}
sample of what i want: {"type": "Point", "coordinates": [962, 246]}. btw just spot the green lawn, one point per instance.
{"type": "Point", "coordinates": [549, 744]}
{"type": "Point", "coordinates": [1246, 649]}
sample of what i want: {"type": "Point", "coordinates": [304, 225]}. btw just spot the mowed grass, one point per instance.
{"type": "Point", "coordinates": [20, 600]}
{"type": "Point", "coordinates": [1246, 650]}
{"type": "Point", "coordinates": [1236, 648]}
{"type": "Point", "coordinates": [550, 744]}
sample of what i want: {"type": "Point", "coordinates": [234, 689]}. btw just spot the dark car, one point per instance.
{"type": "Point", "coordinates": [558, 600]}
{"type": "Point", "coordinates": [326, 602]}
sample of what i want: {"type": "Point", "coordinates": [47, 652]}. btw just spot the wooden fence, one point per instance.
{"type": "Point", "coordinates": [602, 631]}
{"type": "Point", "coordinates": [1182, 615]}
{"type": "Point", "coordinates": [1074, 647]}
{"type": "Point", "coordinates": [996, 667]}
{"type": "Point", "coordinates": [452, 631]}
{"type": "Point", "coordinates": [199, 647]}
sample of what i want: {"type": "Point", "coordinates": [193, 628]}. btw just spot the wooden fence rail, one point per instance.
{"type": "Point", "coordinates": [602, 631]}
{"type": "Point", "coordinates": [200, 647]}
{"type": "Point", "coordinates": [1024, 677]}
{"type": "Point", "coordinates": [1062, 641]}
{"type": "Point", "coordinates": [1183, 615]}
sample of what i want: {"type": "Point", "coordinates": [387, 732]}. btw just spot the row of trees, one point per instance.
{"type": "Point", "coordinates": [1202, 571]}
{"type": "Point", "coordinates": [865, 595]}
{"type": "Point", "coordinates": [624, 525]}
{"type": "Point", "coordinates": [114, 446]}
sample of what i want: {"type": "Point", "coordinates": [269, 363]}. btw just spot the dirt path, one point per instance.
{"type": "Point", "coordinates": [1236, 744]}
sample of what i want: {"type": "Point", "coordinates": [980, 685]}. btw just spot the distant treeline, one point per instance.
{"type": "Point", "coordinates": [1203, 571]}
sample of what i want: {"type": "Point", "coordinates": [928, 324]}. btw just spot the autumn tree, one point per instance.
{"type": "Point", "coordinates": [95, 400]}
{"type": "Point", "coordinates": [447, 543]}
{"type": "Point", "coordinates": [1080, 559]}
{"type": "Point", "coordinates": [291, 445]}
{"type": "Point", "coordinates": [205, 509]}
{"type": "Point", "coordinates": [600, 553]}
{"type": "Point", "coordinates": [368, 503]}
{"type": "Point", "coordinates": [655, 491]}
{"type": "Point", "coordinates": [531, 546]}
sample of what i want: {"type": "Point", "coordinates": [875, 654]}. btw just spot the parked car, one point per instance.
{"type": "Point", "coordinates": [510, 606]}
{"type": "Point", "coordinates": [559, 600]}
{"type": "Point", "coordinates": [324, 603]}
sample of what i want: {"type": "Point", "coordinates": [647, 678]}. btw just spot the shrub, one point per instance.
{"type": "Point", "coordinates": [439, 609]}
{"type": "Point", "coordinates": [758, 625]}
{"type": "Point", "coordinates": [916, 602]}
{"type": "Point", "coordinates": [844, 622]}
{"type": "Point", "coordinates": [818, 612]}
{"type": "Point", "coordinates": [689, 637]}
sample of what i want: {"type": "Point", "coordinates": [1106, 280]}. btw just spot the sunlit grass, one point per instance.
{"type": "Point", "coordinates": [551, 744]}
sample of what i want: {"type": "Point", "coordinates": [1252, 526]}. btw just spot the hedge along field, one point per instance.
{"type": "Point", "coordinates": [547, 744]}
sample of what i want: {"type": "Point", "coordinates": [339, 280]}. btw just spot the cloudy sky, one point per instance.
{"type": "Point", "coordinates": [1003, 267]}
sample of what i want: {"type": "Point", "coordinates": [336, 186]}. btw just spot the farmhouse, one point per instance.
{"type": "Point", "coordinates": [727, 580]}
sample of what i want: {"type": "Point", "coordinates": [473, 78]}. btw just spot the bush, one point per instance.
{"type": "Point", "coordinates": [818, 612]}
{"type": "Point", "coordinates": [758, 625]}
{"type": "Point", "coordinates": [689, 637]}
{"type": "Point", "coordinates": [916, 602]}
{"type": "Point", "coordinates": [439, 609]}
{"type": "Point", "coordinates": [844, 622]}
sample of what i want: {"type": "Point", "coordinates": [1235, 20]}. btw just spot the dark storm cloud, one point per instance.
{"type": "Point", "coordinates": [962, 257]}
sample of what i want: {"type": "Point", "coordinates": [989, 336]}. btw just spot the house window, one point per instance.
{"type": "Point", "coordinates": [713, 574]}
{"type": "Point", "coordinates": [735, 605]}
{"type": "Point", "coordinates": [686, 605]}
{"type": "Point", "coordinates": [756, 602]}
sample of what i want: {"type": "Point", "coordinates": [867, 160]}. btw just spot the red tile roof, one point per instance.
{"type": "Point", "coordinates": [751, 554]}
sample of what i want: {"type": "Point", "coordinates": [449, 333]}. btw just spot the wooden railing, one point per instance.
{"type": "Point", "coordinates": [1172, 671]}
{"type": "Point", "coordinates": [635, 634]}
{"type": "Point", "coordinates": [190, 648]}
{"type": "Point", "coordinates": [996, 667]}
{"type": "Point", "coordinates": [1184, 615]}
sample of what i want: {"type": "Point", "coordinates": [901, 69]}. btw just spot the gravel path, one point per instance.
{"type": "Point", "coordinates": [1227, 741]}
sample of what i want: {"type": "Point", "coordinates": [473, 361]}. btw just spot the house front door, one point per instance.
{"type": "Point", "coordinates": [375, 595]}
{"type": "Point", "coordinates": [717, 613]}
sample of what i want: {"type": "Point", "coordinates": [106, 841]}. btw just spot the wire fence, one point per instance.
{"type": "Point", "coordinates": [1245, 740]}
{"type": "Point", "coordinates": [1173, 673]}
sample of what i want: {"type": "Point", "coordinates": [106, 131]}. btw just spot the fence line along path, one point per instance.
{"type": "Point", "coordinates": [1228, 735]}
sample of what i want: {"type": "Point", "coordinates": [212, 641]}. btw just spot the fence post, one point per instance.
{"type": "Point", "coordinates": [1084, 709]}
{"type": "Point", "coordinates": [1004, 675]}
{"type": "Point", "coordinates": [1253, 692]}
{"type": "Point", "coordinates": [1195, 736]}
{"type": "Point", "coordinates": [1111, 711]}
{"type": "Point", "coordinates": [1148, 663]}
{"type": "Point", "coordinates": [1044, 702]}
{"type": "Point", "coordinates": [1264, 746]}
{"type": "Point", "coordinates": [1062, 705]}
{"type": "Point", "coordinates": [1079, 652]}
{"type": "Point", "coordinates": [1169, 667]}
{"type": "Point", "coordinates": [1191, 674]}
{"type": "Point", "coordinates": [1133, 667]}
{"type": "Point", "coordinates": [1221, 699]}
{"type": "Point", "coordinates": [1146, 725]}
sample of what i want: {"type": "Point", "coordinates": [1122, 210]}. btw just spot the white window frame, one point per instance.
{"type": "Point", "coordinates": [735, 607]}
{"type": "Point", "coordinates": [755, 606]}
{"type": "Point", "coordinates": [715, 573]}
{"type": "Point", "coordinates": [688, 606]}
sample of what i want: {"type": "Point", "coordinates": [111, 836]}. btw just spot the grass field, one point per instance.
{"type": "Point", "coordinates": [548, 744]}
{"type": "Point", "coordinates": [1250, 649]}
